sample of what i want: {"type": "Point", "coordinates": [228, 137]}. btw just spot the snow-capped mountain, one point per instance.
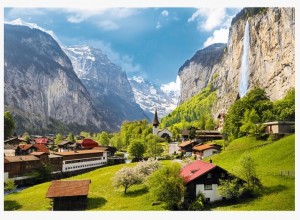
{"type": "Point", "coordinates": [107, 83]}
{"type": "Point", "coordinates": [150, 96]}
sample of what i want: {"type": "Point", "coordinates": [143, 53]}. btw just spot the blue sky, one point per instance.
{"type": "Point", "coordinates": [150, 42]}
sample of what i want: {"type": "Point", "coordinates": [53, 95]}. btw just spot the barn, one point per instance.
{"type": "Point", "coordinates": [69, 195]}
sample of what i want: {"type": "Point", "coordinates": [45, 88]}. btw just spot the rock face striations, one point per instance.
{"type": "Point", "coordinates": [271, 58]}
{"type": "Point", "coordinates": [41, 87]}
{"type": "Point", "coordinates": [108, 85]}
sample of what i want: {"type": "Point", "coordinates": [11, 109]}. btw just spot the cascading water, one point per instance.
{"type": "Point", "coordinates": [243, 87]}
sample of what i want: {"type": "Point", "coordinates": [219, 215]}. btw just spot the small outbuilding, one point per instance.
{"type": "Point", "coordinates": [280, 127]}
{"type": "Point", "coordinates": [69, 195]}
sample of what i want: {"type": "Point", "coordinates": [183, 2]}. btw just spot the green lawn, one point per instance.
{"type": "Point", "coordinates": [102, 196]}
{"type": "Point", "coordinates": [271, 158]}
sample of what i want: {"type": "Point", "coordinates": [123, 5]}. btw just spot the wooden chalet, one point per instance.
{"type": "Point", "coordinates": [66, 146]}
{"type": "Point", "coordinates": [69, 195]}
{"type": "Point", "coordinates": [186, 147]}
{"type": "Point", "coordinates": [55, 161]}
{"type": "Point", "coordinates": [185, 135]}
{"type": "Point", "coordinates": [19, 166]}
{"type": "Point", "coordinates": [208, 135]}
{"type": "Point", "coordinates": [206, 150]}
{"type": "Point", "coordinates": [280, 127]}
{"type": "Point", "coordinates": [204, 177]}
{"type": "Point", "coordinates": [26, 149]}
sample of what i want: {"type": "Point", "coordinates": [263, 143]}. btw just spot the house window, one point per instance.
{"type": "Point", "coordinates": [208, 175]}
{"type": "Point", "coordinates": [222, 175]}
{"type": "Point", "coordinates": [215, 152]}
{"type": "Point", "coordinates": [207, 200]}
{"type": "Point", "coordinates": [208, 187]}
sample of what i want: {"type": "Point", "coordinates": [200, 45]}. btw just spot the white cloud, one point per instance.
{"type": "Point", "coordinates": [158, 25]}
{"type": "Point", "coordinates": [77, 15]}
{"type": "Point", "coordinates": [165, 13]}
{"type": "Point", "coordinates": [172, 86]}
{"type": "Point", "coordinates": [219, 36]}
{"type": "Point", "coordinates": [208, 18]}
{"type": "Point", "coordinates": [107, 25]}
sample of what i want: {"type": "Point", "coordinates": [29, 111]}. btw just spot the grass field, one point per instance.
{"type": "Point", "coordinates": [102, 195]}
{"type": "Point", "coordinates": [271, 158]}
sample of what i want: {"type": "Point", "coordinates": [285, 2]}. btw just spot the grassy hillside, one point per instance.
{"type": "Point", "coordinates": [271, 159]}
{"type": "Point", "coordinates": [102, 196]}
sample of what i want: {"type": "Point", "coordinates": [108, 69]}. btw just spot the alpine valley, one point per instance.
{"type": "Point", "coordinates": [51, 88]}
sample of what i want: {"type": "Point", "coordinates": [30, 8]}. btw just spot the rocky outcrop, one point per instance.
{"type": "Point", "coordinates": [271, 58]}
{"type": "Point", "coordinates": [40, 85]}
{"type": "Point", "coordinates": [108, 85]}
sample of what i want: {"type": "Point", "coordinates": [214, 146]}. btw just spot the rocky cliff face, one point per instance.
{"type": "Point", "coordinates": [40, 85]}
{"type": "Point", "coordinates": [152, 97]}
{"type": "Point", "coordinates": [271, 58]}
{"type": "Point", "coordinates": [108, 85]}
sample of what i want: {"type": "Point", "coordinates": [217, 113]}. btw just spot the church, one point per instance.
{"type": "Point", "coordinates": [163, 133]}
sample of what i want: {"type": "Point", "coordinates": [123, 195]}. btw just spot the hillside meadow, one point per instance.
{"type": "Point", "coordinates": [271, 158]}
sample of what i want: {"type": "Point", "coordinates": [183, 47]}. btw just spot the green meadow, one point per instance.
{"type": "Point", "coordinates": [271, 158]}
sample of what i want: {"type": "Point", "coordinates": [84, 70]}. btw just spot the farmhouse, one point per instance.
{"type": "Point", "coordinates": [82, 159]}
{"type": "Point", "coordinates": [19, 166]}
{"type": "Point", "coordinates": [201, 176]}
{"type": "Point", "coordinates": [69, 195]}
{"type": "Point", "coordinates": [25, 149]}
{"type": "Point", "coordinates": [280, 127]}
{"type": "Point", "coordinates": [205, 150]}
{"type": "Point", "coordinates": [65, 146]}
{"type": "Point", "coordinates": [186, 147]}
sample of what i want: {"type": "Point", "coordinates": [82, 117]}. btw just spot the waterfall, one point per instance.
{"type": "Point", "coordinates": [245, 63]}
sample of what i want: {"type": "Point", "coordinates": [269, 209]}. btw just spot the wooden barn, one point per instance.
{"type": "Point", "coordinates": [69, 195]}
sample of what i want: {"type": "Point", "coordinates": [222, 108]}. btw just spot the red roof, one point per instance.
{"type": "Point", "coordinates": [41, 140]}
{"type": "Point", "coordinates": [195, 170]}
{"type": "Point", "coordinates": [64, 188]}
{"type": "Point", "coordinates": [42, 148]}
{"type": "Point", "coordinates": [205, 146]}
{"type": "Point", "coordinates": [39, 147]}
{"type": "Point", "coordinates": [89, 143]}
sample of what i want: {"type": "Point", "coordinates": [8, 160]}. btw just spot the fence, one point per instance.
{"type": "Point", "coordinates": [290, 173]}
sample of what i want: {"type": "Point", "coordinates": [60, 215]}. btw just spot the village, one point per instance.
{"type": "Point", "coordinates": [23, 158]}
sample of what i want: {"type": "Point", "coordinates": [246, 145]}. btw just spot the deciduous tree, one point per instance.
{"type": "Point", "coordinates": [9, 124]}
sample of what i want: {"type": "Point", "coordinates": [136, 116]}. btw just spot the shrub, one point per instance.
{"type": "Point", "coordinates": [198, 204]}
{"type": "Point", "coordinates": [9, 185]}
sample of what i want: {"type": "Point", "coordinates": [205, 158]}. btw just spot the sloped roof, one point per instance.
{"type": "Point", "coordinates": [195, 170]}
{"type": "Point", "coordinates": [41, 140]}
{"type": "Point", "coordinates": [186, 143]}
{"type": "Point", "coordinates": [64, 188]}
{"type": "Point", "coordinates": [78, 152]}
{"type": "Point", "coordinates": [155, 119]}
{"type": "Point", "coordinates": [42, 148]}
{"type": "Point", "coordinates": [37, 153]}
{"type": "Point", "coordinates": [21, 158]}
{"type": "Point", "coordinates": [205, 146]}
{"type": "Point", "coordinates": [64, 143]}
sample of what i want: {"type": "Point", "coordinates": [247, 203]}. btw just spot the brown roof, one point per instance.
{"type": "Point", "coordinates": [42, 148]}
{"type": "Point", "coordinates": [79, 152]}
{"type": "Point", "coordinates": [206, 146]}
{"type": "Point", "coordinates": [186, 143]}
{"type": "Point", "coordinates": [21, 158]}
{"type": "Point", "coordinates": [64, 188]}
{"type": "Point", "coordinates": [38, 153]}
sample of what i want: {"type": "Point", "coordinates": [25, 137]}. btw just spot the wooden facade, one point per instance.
{"type": "Point", "coordinates": [18, 166]}
{"type": "Point", "coordinates": [69, 195]}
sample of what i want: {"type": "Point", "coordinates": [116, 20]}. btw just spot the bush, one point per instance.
{"type": "Point", "coordinates": [9, 185]}
{"type": "Point", "coordinates": [198, 204]}
{"type": "Point", "coordinates": [119, 154]}
{"type": "Point", "coordinates": [166, 185]}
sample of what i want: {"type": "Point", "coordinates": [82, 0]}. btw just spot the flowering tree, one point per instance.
{"type": "Point", "coordinates": [127, 177]}
{"type": "Point", "coordinates": [145, 168]}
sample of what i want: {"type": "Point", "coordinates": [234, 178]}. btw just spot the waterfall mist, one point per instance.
{"type": "Point", "coordinates": [244, 75]}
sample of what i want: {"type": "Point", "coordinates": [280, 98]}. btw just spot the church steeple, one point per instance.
{"type": "Point", "coordinates": [155, 119]}
{"type": "Point", "coordinates": [155, 123]}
